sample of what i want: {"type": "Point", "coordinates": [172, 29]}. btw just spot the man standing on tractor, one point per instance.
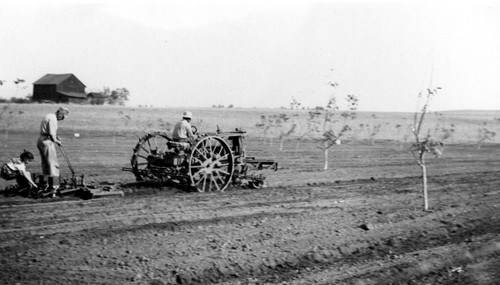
{"type": "Point", "coordinates": [47, 146]}
{"type": "Point", "coordinates": [183, 131]}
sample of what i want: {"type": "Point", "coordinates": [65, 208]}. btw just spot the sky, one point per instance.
{"type": "Point", "coordinates": [264, 54]}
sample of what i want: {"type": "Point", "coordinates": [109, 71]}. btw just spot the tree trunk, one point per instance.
{"type": "Point", "coordinates": [424, 182]}
{"type": "Point", "coordinates": [326, 159]}
{"type": "Point", "coordinates": [297, 147]}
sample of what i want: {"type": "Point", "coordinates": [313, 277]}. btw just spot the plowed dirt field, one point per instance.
{"type": "Point", "coordinates": [360, 222]}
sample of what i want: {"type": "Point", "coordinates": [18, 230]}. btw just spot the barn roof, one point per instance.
{"type": "Point", "coordinates": [74, 94]}
{"type": "Point", "coordinates": [50, 79]}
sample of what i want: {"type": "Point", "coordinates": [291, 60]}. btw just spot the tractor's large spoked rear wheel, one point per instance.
{"type": "Point", "coordinates": [150, 147]}
{"type": "Point", "coordinates": [211, 165]}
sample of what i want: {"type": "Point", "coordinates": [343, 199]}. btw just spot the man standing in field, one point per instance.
{"type": "Point", "coordinates": [182, 130]}
{"type": "Point", "coordinates": [47, 146]}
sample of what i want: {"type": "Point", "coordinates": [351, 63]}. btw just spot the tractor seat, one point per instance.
{"type": "Point", "coordinates": [178, 146]}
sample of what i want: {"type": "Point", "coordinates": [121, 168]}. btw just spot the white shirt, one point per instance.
{"type": "Point", "coordinates": [16, 164]}
{"type": "Point", "coordinates": [182, 130]}
{"type": "Point", "coordinates": [48, 127]}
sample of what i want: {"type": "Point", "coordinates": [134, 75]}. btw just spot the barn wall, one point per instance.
{"type": "Point", "coordinates": [62, 99]}
{"type": "Point", "coordinates": [72, 84]}
{"type": "Point", "coordinates": [99, 101]}
{"type": "Point", "coordinates": [45, 93]}
{"type": "Point", "coordinates": [96, 99]}
{"type": "Point", "coordinates": [75, 100]}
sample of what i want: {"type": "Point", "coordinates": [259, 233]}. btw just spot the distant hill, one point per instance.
{"type": "Point", "coordinates": [134, 121]}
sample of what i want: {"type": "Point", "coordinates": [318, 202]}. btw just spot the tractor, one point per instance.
{"type": "Point", "coordinates": [211, 162]}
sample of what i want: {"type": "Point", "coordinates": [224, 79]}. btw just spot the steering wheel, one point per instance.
{"type": "Point", "coordinates": [194, 130]}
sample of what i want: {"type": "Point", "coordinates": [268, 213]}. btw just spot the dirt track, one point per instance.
{"type": "Point", "coordinates": [353, 232]}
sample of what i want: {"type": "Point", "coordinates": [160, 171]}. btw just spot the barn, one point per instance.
{"type": "Point", "coordinates": [59, 88]}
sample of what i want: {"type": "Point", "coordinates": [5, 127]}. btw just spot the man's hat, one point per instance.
{"type": "Point", "coordinates": [187, 115]}
{"type": "Point", "coordinates": [63, 110]}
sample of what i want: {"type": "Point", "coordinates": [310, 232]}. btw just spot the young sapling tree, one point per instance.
{"type": "Point", "coordinates": [398, 134]}
{"type": "Point", "coordinates": [331, 125]}
{"type": "Point", "coordinates": [426, 144]}
{"type": "Point", "coordinates": [282, 122]}
{"type": "Point", "coordinates": [300, 131]}
{"type": "Point", "coordinates": [286, 126]}
{"type": "Point", "coordinates": [295, 105]}
{"type": "Point", "coordinates": [372, 129]}
{"type": "Point", "coordinates": [265, 124]}
{"type": "Point", "coordinates": [484, 134]}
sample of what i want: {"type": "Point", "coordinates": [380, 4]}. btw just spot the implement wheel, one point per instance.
{"type": "Point", "coordinates": [211, 165]}
{"type": "Point", "coordinates": [150, 147]}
